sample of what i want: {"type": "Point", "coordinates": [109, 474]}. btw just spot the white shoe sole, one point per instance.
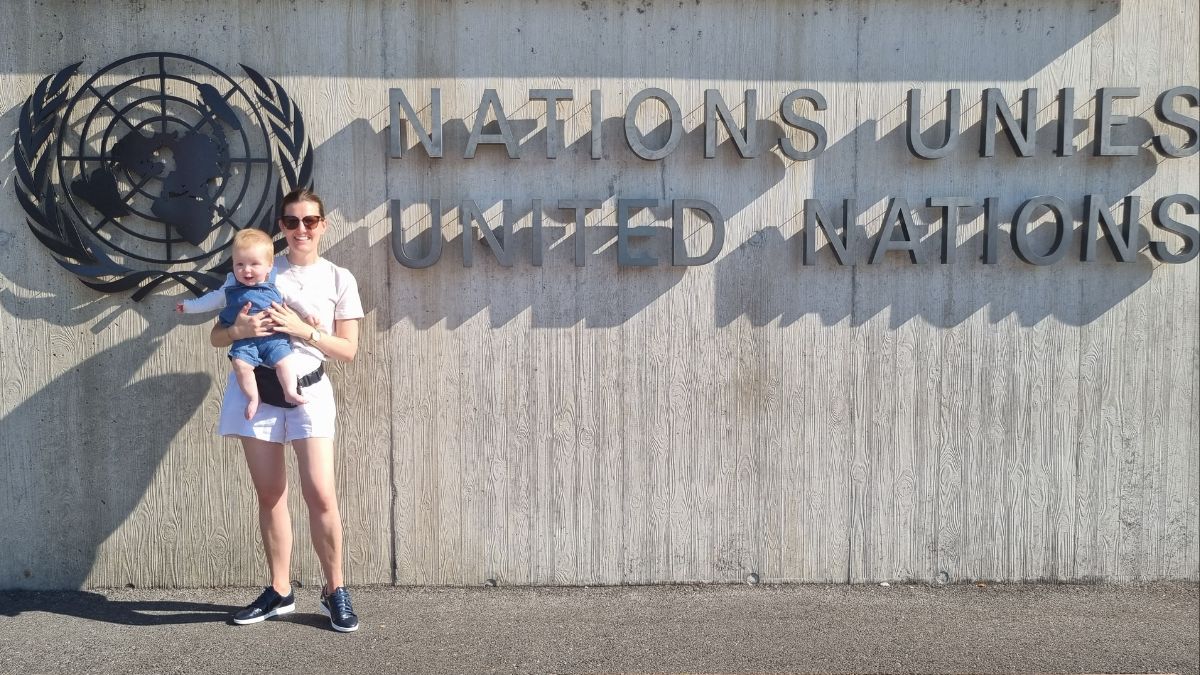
{"type": "Point", "coordinates": [278, 611]}
{"type": "Point", "coordinates": [334, 625]}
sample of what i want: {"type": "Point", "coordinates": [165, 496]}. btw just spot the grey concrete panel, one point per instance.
{"type": "Point", "coordinates": [611, 424]}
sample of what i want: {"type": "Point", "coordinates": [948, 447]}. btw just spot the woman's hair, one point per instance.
{"type": "Point", "coordinates": [302, 195]}
{"type": "Point", "coordinates": [252, 238]}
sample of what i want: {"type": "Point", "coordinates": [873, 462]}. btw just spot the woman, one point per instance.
{"type": "Point", "coordinates": [329, 294]}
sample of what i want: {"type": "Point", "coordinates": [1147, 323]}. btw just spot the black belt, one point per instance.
{"type": "Point", "coordinates": [311, 378]}
{"type": "Point", "coordinates": [270, 391]}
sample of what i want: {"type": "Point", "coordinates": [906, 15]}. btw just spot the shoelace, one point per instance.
{"type": "Point", "coordinates": [339, 601]}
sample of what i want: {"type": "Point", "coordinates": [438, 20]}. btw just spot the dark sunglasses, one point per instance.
{"type": "Point", "coordinates": [292, 222]}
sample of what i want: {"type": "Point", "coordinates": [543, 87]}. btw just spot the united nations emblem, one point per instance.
{"type": "Point", "coordinates": [149, 168]}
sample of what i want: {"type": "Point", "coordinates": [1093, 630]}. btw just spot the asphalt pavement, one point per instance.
{"type": "Point", "coordinates": [1024, 628]}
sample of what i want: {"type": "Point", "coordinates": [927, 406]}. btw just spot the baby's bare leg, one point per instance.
{"type": "Point", "coordinates": [285, 370]}
{"type": "Point", "coordinates": [249, 386]}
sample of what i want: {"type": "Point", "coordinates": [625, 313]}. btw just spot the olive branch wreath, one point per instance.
{"type": "Point", "coordinates": [76, 251]}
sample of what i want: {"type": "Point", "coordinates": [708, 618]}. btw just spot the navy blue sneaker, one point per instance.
{"type": "Point", "coordinates": [337, 607]}
{"type": "Point", "coordinates": [268, 604]}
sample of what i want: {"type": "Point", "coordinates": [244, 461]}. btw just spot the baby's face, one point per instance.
{"type": "Point", "coordinates": [252, 264]}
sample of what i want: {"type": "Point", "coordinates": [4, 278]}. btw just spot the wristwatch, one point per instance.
{"type": "Point", "coordinates": [315, 337]}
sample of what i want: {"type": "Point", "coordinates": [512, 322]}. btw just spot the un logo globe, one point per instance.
{"type": "Point", "coordinates": [159, 159]}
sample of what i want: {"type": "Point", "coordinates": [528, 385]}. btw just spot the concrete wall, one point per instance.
{"type": "Point", "coordinates": [606, 424]}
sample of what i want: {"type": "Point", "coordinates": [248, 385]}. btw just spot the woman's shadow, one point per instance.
{"type": "Point", "coordinates": [97, 607]}
{"type": "Point", "coordinates": [79, 455]}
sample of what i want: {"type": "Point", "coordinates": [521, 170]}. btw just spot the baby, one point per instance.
{"type": "Point", "coordinates": [252, 281]}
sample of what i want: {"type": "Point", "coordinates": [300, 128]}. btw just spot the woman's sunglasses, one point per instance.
{"type": "Point", "coordinates": [292, 222]}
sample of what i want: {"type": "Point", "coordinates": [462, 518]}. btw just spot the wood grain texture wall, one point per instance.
{"type": "Point", "coordinates": [558, 424]}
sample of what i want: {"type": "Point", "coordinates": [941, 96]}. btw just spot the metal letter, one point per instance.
{"type": "Point", "coordinates": [435, 243]}
{"type": "Point", "coordinates": [994, 106]}
{"type": "Point", "coordinates": [1166, 112]}
{"type": "Point", "coordinates": [625, 256]}
{"type": "Point", "coordinates": [787, 112]}
{"type": "Point", "coordinates": [634, 137]}
{"type": "Point", "coordinates": [581, 207]}
{"type": "Point", "coordinates": [679, 254]}
{"type": "Point", "coordinates": [991, 230]}
{"type": "Point", "coordinates": [951, 207]}
{"type": "Point", "coordinates": [714, 107]}
{"type": "Point", "coordinates": [1191, 237]}
{"type": "Point", "coordinates": [431, 140]}
{"type": "Point", "coordinates": [491, 101]}
{"type": "Point", "coordinates": [553, 130]}
{"type": "Point", "coordinates": [815, 217]}
{"type": "Point", "coordinates": [1062, 236]}
{"type": "Point", "coordinates": [468, 214]}
{"type": "Point", "coordinates": [535, 213]}
{"type": "Point", "coordinates": [1125, 245]}
{"type": "Point", "coordinates": [597, 121]}
{"type": "Point", "coordinates": [898, 212]}
{"type": "Point", "coordinates": [1106, 120]}
{"type": "Point", "coordinates": [1066, 122]}
{"type": "Point", "coordinates": [913, 136]}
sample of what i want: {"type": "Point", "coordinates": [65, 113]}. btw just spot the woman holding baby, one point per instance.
{"type": "Point", "coordinates": [320, 314]}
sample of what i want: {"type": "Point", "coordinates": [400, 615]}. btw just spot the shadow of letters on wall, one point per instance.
{"type": "Point", "coordinates": [926, 170]}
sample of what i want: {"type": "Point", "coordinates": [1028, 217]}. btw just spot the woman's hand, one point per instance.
{"type": "Point", "coordinates": [286, 320]}
{"type": "Point", "coordinates": [246, 325]}
{"type": "Point", "coordinates": [341, 344]}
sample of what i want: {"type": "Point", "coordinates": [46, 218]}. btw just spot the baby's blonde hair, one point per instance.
{"type": "Point", "coordinates": [252, 238]}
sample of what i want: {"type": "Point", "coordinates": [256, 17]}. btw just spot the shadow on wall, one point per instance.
{"type": "Point", "coordinates": [559, 293]}
{"type": "Point", "coordinates": [80, 453]}
{"type": "Point", "coordinates": [764, 278]}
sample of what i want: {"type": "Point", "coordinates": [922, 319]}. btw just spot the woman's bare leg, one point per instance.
{"type": "Point", "coordinates": [315, 463]}
{"type": "Point", "coordinates": [269, 475]}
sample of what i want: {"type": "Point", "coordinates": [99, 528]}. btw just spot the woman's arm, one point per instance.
{"type": "Point", "coordinates": [341, 345]}
{"type": "Point", "coordinates": [246, 325]}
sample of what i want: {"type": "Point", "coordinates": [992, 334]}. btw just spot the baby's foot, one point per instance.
{"type": "Point", "coordinates": [294, 398]}
{"type": "Point", "coordinates": [251, 408]}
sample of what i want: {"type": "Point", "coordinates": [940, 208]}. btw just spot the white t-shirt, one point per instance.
{"type": "Point", "coordinates": [323, 290]}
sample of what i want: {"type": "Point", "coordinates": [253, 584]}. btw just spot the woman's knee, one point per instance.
{"type": "Point", "coordinates": [320, 499]}
{"type": "Point", "coordinates": [271, 494]}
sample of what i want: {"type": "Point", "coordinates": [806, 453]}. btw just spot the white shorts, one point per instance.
{"type": "Point", "coordinates": [279, 425]}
